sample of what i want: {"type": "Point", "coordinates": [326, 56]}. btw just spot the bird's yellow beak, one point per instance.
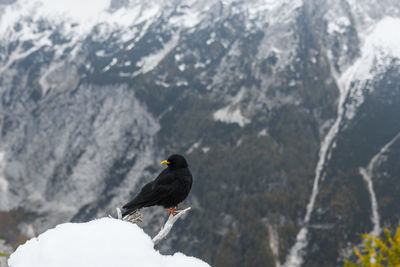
{"type": "Point", "coordinates": [165, 162]}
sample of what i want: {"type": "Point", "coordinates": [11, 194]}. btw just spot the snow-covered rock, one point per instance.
{"type": "Point", "coordinates": [102, 242]}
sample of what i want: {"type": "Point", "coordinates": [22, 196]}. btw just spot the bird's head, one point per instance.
{"type": "Point", "coordinates": [175, 162]}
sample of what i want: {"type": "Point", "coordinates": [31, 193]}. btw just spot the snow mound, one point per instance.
{"type": "Point", "coordinates": [99, 243]}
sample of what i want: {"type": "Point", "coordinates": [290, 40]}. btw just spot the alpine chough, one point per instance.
{"type": "Point", "coordinates": [169, 189]}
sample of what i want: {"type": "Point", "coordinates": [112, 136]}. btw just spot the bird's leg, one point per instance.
{"type": "Point", "coordinates": [172, 211]}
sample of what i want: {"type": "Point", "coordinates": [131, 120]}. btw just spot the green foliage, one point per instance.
{"type": "Point", "coordinates": [379, 251]}
{"type": "Point", "coordinates": [3, 254]}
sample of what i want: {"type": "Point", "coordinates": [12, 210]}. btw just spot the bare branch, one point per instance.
{"type": "Point", "coordinates": [168, 225]}
{"type": "Point", "coordinates": [132, 218]}
{"type": "Point", "coordinates": [137, 217]}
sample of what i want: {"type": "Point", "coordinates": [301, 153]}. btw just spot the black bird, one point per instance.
{"type": "Point", "coordinates": [169, 189]}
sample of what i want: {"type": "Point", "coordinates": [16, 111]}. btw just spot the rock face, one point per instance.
{"type": "Point", "coordinates": [278, 105]}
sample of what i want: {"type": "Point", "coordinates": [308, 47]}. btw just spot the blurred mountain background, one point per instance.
{"type": "Point", "coordinates": [287, 111]}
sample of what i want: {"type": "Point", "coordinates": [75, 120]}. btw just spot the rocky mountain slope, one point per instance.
{"type": "Point", "coordinates": [286, 110]}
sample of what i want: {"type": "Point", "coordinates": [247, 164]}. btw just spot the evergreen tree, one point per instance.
{"type": "Point", "coordinates": [379, 251]}
{"type": "Point", "coordinates": [3, 254]}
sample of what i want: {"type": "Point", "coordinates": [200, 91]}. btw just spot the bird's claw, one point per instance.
{"type": "Point", "coordinates": [172, 211]}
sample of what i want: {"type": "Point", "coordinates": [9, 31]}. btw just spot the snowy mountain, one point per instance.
{"type": "Point", "coordinates": [286, 110]}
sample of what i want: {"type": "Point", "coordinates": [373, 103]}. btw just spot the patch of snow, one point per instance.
{"type": "Point", "coordinates": [144, 13]}
{"type": "Point", "coordinates": [274, 243]}
{"type": "Point", "coordinates": [27, 229]}
{"type": "Point", "coordinates": [130, 46]}
{"type": "Point", "coordinates": [186, 18]}
{"type": "Point", "coordinates": [193, 147]}
{"type": "Point", "coordinates": [199, 65]}
{"type": "Point", "coordinates": [211, 39]}
{"type": "Point", "coordinates": [231, 115]}
{"type": "Point", "coordinates": [162, 83]}
{"type": "Point", "coordinates": [101, 53]}
{"type": "Point", "coordinates": [339, 25]}
{"type": "Point", "coordinates": [127, 63]}
{"type": "Point", "coordinates": [384, 38]}
{"type": "Point", "coordinates": [75, 9]}
{"type": "Point", "coordinates": [263, 132]}
{"type": "Point", "coordinates": [313, 60]}
{"type": "Point", "coordinates": [149, 62]}
{"type": "Point", "coordinates": [178, 57]}
{"type": "Point", "coordinates": [112, 63]}
{"type": "Point", "coordinates": [182, 67]}
{"type": "Point", "coordinates": [205, 149]}
{"type": "Point", "coordinates": [102, 242]}
{"type": "Point", "coordinates": [182, 83]}
{"type": "Point", "coordinates": [239, 142]}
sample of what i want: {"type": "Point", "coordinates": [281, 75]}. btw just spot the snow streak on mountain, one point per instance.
{"type": "Point", "coordinates": [367, 175]}
{"type": "Point", "coordinates": [378, 47]}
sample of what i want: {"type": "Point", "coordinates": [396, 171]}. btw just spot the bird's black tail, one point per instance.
{"type": "Point", "coordinates": [126, 212]}
{"type": "Point", "coordinates": [133, 206]}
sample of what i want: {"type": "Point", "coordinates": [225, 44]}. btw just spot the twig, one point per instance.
{"type": "Point", "coordinates": [168, 225]}
{"type": "Point", "coordinates": [132, 218]}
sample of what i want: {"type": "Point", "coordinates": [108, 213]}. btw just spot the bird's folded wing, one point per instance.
{"type": "Point", "coordinates": [144, 195]}
{"type": "Point", "coordinates": [165, 178]}
{"type": "Point", "coordinates": [164, 190]}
